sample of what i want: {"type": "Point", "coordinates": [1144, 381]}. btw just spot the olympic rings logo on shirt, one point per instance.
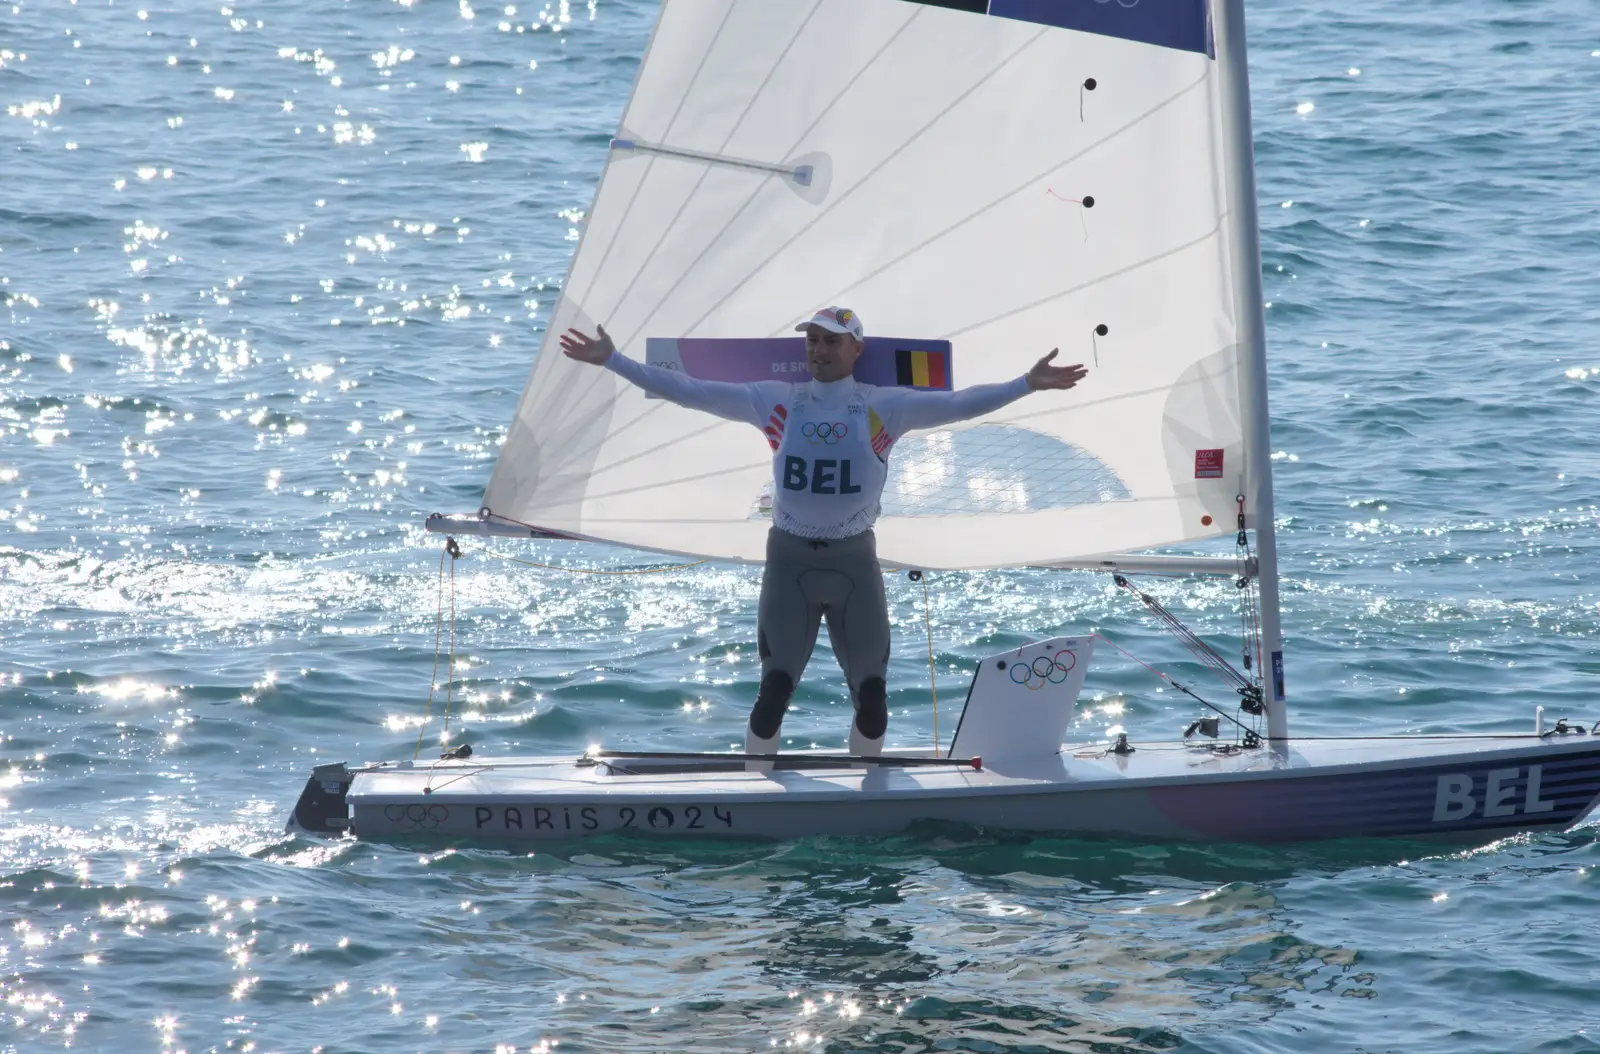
{"type": "Point", "coordinates": [1042, 670]}
{"type": "Point", "coordinates": [825, 432]}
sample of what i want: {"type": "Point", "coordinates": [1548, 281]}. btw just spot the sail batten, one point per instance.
{"type": "Point", "coordinates": [844, 195]}
{"type": "Point", "coordinates": [949, 174]}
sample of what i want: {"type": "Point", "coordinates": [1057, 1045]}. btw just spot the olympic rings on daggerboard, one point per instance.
{"type": "Point", "coordinates": [1042, 670]}
{"type": "Point", "coordinates": [829, 433]}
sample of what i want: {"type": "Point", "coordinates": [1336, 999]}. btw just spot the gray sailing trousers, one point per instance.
{"type": "Point", "coordinates": [805, 581]}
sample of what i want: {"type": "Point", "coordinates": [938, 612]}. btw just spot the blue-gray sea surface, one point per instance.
{"type": "Point", "coordinates": [271, 275]}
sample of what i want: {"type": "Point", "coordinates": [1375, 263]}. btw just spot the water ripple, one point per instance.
{"type": "Point", "coordinates": [270, 278]}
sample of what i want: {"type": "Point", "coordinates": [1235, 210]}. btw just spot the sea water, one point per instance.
{"type": "Point", "coordinates": [271, 275]}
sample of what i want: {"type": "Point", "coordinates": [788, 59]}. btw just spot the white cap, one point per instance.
{"type": "Point", "coordinates": [836, 320]}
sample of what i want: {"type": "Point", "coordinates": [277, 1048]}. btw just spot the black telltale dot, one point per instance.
{"type": "Point", "coordinates": [1090, 84]}
{"type": "Point", "coordinates": [1088, 201]}
{"type": "Point", "coordinates": [1102, 329]}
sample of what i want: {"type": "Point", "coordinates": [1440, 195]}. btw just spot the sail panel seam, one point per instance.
{"type": "Point", "coordinates": [1207, 236]}
{"type": "Point", "coordinates": [665, 135]}
{"type": "Point", "coordinates": [1020, 188]}
{"type": "Point", "coordinates": [754, 194]}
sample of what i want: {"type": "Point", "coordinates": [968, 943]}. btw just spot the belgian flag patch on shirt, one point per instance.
{"type": "Point", "coordinates": [881, 439]}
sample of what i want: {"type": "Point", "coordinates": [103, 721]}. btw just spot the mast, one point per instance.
{"type": "Point", "coordinates": [1244, 230]}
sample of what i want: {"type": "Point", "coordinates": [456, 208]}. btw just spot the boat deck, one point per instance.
{"type": "Point", "coordinates": [1459, 787]}
{"type": "Point", "coordinates": [618, 779]}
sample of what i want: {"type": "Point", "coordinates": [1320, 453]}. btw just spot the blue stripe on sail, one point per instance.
{"type": "Point", "coordinates": [1181, 24]}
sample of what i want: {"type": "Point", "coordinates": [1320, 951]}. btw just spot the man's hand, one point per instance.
{"type": "Point", "coordinates": [1043, 375]}
{"type": "Point", "coordinates": [584, 348]}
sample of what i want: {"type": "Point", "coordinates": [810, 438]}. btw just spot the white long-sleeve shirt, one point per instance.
{"type": "Point", "coordinates": [830, 441]}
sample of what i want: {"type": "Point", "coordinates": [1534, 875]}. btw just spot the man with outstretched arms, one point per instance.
{"type": "Point", "coordinates": [830, 440]}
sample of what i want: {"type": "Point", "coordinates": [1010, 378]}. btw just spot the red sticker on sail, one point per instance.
{"type": "Point", "coordinates": [1208, 464]}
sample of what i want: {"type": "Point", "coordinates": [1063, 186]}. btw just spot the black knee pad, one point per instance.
{"type": "Point", "coordinates": [872, 707]}
{"type": "Point", "coordinates": [772, 702]}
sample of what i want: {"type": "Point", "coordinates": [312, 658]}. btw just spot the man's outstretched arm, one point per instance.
{"type": "Point", "coordinates": [736, 402]}
{"type": "Point", "coordinates": [914, 409]}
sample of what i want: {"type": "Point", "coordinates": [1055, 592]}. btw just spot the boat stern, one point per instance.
{"type": "Point", "coordinates": [322, 808]}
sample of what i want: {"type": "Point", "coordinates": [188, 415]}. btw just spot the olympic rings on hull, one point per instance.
{"type": "Point", "coordinates": [409, 817]}
{"type": "Point", "coordinates": [827, 432]}
{"type": "Point", "coordinates": [1044, 670]}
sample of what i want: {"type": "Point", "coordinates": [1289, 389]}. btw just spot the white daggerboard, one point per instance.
{"type": "Point", "coordinates": [1020, 704]}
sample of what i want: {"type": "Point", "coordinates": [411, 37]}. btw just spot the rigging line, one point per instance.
{"type": "Point", "coordinates": [1191, 640]}
{"type": "Point", "coordinates": [755, 96]}
{"type": "Point", "coordinates": [683, 101]}
{"type": "Point", "coordinates": [521, 523]}
{"type": "Point", "coordinates": [933, 682]}
{"type": "Point", "coordinates": [1175, 250]}
{"type": "Point", "coordinates": [451, 550]}
{"type": "Point", "coordinates": [587, 570]}
{"type": "Point", "coordinates": [450, 670]}
{"type": "Point", "coordinates": [756, 192]}
{"type": "Point", "coordinates": [433, 678]}
{"type": "Point", "coordinates": [1188, 637]}
{"type": "Point", "coordinates": [429, 787]}
{"type": "Point", "coordinates": [570, 536]}
{"type": "Point", "coordinates": [844, 196]}
{"type": "Point", "coordinates": [1168, 678]}
{"type": "Point", "coordinates": [1250, 611]}
{"type": "Point", "coordinates": [1021, 188]}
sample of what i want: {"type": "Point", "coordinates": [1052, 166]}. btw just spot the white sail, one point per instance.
{"type": "Point", "coordinates": [933, 169]}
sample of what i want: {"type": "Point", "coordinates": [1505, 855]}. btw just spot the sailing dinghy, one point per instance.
{"type": "Point", "coordinates": [993, 177]}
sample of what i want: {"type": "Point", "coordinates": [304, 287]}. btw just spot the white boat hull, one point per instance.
{"type": "Point", "coordinates": [1459, 789]}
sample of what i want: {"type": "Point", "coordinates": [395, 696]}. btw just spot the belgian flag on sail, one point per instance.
{"type": "Point", "coordinates": [921, 369]}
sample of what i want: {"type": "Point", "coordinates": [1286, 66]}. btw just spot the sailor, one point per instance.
{"type": "Point", "coordinates": [830, 439]}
